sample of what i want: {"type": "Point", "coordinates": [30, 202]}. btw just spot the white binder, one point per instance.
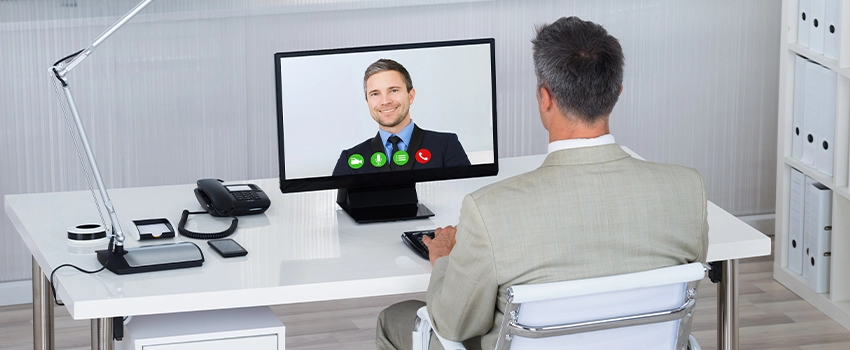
{"type": "Point", "coordinates": [803, 22]}
{"type": "Point", "coordinates": [795, 216]}
{"type": "Point", "coordinates": [818, 229]}
{"type": "Point", "coordinates": [799, 111]}
{"type": "Point", "coordinates": [808, 207]}
{"type": "Point", "coordinates": [831, 26]}
{"type": "Point", "coordinates": [816, 32]}
{"type": "Point", "coordinates": [811, 108]}
{"type": "Point", "coordinates": [825, 131]}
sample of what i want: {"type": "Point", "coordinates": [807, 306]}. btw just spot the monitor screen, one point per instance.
{"type": "Point", "coordinates": [383, 116]}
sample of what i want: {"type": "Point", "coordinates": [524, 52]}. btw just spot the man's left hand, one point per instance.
{"type": "Point", "coordinates": [442, 244]}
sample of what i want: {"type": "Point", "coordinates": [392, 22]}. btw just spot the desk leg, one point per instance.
{"type": "Point", "coordinates": [42, 310]}
{"type": "Point", "coordinates": [727, 307]}
{"type": "Point", "coordinates": [101, 334]}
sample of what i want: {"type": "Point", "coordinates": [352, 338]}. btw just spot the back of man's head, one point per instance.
{"type": "Point", "coordinates": [581, 65]}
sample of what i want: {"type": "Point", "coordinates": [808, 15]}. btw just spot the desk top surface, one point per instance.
{"type": "Point", "coordinates": [304, 248]}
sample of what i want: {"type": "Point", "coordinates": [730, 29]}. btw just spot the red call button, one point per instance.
{"type": "Point", "coordinates": [423, 156]}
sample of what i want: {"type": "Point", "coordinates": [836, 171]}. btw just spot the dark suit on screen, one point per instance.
{"type": "Point", "coordinates": [445, 148]}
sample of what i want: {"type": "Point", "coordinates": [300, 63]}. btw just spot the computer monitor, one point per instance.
{"type": "Point", "coordinates": [342, 122]}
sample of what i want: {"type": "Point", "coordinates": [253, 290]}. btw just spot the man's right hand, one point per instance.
{"type": "Point", "coordinates": [442, 244]}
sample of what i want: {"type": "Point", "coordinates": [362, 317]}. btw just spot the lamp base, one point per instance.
{"type": "Point", "coordinates": [152, 258]}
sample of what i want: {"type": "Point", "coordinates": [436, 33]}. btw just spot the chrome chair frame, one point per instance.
{"type": "Point", "coordinates": [511, 327]}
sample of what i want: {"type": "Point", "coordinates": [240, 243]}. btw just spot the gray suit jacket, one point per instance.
{"type": "Point", "coordinates": [586, 212]}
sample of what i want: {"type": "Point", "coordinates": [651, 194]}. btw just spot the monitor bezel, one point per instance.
{"type": "Point", "coordinates": [392, 178]}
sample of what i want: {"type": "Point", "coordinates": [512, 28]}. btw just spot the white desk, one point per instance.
{"type": "Point", "coordinates": [304, 248]}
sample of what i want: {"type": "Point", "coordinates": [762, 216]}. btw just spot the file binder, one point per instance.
{"type": "Point", "coordinates": [818, 229]}
{"type": "Point", "coordinates": [816, 32]}
{"type": "Point", "coordinates": [811, 112]}
{"type": "Point", "coordinates": [799, 111]}
{"type": "Point", "coordinates": [808, 207]}
{"type": "Point", "coordinates": [825, 132]}
{"type": "Point", "coordinates": [831, 28]}
{"type": "Point", "coordinates": [803, 22]}
{"type": "Point", "coordinates": [795, 226]}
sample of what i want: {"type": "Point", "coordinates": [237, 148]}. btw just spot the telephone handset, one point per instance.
{"type": "Point", "coordinates": [225, 200]}
{"type": "Point", "coordinates": [231, 200]}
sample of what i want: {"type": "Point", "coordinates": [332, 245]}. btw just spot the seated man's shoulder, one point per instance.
{"type": "Point", "coordinates": [508, 187]}
{"type": "Point", "coordinates": [640, 171]}
{"type": "Point", "coordinates": [668, 172]}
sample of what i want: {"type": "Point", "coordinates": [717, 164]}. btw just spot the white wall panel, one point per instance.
{"type": "Point", "coordinates": [186, 90]}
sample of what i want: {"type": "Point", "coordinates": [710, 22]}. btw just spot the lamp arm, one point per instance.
{"type": "Point", "coordinates": [113, 218]}
{"type": "Point", "coordinates": [65, 65]}
{"type": "Point", "coordinates": [115, 258]}
{"type": "Point", "coordinates": [60, 69]}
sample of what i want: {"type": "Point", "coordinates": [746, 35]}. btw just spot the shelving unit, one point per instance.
{"type": "Point", "coordinates": [836, 303]}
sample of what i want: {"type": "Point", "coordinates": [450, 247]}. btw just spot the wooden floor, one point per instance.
{"type": "Point", "coordinates": [770, 317]}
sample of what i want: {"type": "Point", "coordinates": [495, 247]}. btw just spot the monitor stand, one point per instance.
{"type": "Point", "coordinates": [386, 203]}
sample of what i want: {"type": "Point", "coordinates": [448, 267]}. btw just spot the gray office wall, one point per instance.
{"type": "Point", "coordinates": [184, 92]}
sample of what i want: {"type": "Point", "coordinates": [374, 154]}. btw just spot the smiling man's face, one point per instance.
{"type": "Point", "coordinates": [389, 101]}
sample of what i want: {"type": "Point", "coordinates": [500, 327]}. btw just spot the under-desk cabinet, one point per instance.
{"type": "Point", "coordinates": [248, 328]}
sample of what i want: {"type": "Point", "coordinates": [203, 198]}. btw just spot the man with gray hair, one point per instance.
{"type": "Point", "coordinates": [589, 210]}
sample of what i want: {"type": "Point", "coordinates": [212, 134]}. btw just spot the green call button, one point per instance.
{"type": "Point", "coordinates": [400, 158]}
{"type": "Point", "coordinates": [378, 159]}
{"type": "Point", "coordinates": [355, 161]}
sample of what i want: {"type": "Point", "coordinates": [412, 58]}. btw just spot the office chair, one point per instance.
{"type": "Point", "coordinates": [642, 310]}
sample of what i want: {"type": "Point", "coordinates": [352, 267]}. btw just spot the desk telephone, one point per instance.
{"type": "Point", "coordinates": [219, 199]}
{"type": "Point", "coordinates": [231, 200]}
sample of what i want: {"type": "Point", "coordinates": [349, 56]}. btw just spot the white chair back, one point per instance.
{"type": "Point", "coordinates": [643, 310]}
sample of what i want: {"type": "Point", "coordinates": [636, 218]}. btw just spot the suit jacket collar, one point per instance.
{"type": "Point", "coordinates": [585, 155]}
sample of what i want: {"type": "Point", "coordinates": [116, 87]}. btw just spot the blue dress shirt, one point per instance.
{"type": "Point", "coordinates": [405, 135]}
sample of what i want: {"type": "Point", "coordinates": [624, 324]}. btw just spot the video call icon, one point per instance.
{"type": "Point", "coordinates": [355, 161]}
{"type": "Point", "coordinates": [379, 159]}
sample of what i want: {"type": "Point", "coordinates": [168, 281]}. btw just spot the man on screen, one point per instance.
{"type": "Point", "coordinates": [399, 144]}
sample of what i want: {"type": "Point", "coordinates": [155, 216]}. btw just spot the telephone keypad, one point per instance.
{"type": "Point", "coordinates": [245, 195]}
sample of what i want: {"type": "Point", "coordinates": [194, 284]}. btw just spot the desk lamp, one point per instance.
{"type": "Point", "coordinates": [115, 257]}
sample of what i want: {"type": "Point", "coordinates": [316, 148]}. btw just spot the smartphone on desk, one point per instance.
{"type": "Point", "coordinates": [227, 248]}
